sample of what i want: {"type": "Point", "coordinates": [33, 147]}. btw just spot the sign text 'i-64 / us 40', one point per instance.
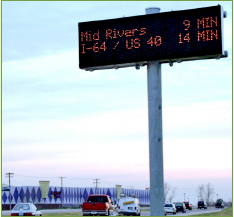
{"type": "Point", "coordinates": [169, 36]}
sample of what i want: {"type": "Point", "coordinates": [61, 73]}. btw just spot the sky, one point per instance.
{"type": "Point", "coordinates": [61, 121]}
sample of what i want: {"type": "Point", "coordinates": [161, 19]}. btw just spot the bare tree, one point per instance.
{"type": "Point", "coordinates": [172, 194]}
{"type": "Point", "coordinates": [169, 193]}
{"type": "Point", "coordinates": [208, 190]}
{"type": "Point", "coordinates": [205, 192]}
{"type": "Point", "coordinates": [167, 188]}
{"type": "Point", "coordinates": [200, 192]}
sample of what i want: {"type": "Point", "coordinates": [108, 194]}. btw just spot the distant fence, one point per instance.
{"type": "Point", "coordinates": [70, 196]}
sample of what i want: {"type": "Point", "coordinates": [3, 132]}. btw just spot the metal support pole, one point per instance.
{"type": "Point", "coordinates": [10, 175]}
{"type": "Point", "coordinates": [61, 191]}
{"type": "Point", "coordinates": [155, 134]}
{"type": "Point", "coordinates": [96, 182]}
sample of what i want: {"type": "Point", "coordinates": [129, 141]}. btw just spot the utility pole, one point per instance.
{"type": "Point", "coordinates": [96, 182]}
{"type": "Point", "coordinates": [61, 191]}
{"type": "Point", "coordinates": [10, 175]}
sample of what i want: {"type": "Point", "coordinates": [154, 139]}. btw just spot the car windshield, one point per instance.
{"type": "Point", "coordinates": [98, 199]}
{"type": "Point", "coordinates": [21, 206]}
{"type": "Point", "coordinates": [168, 205]}
{"type": "Point", "coordinates": [179, 204]}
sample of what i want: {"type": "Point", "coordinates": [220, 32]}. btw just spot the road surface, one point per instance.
{"type": "Point", "coordinates": [143, 213]}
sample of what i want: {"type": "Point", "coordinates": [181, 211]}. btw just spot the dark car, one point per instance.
{"type": "Point", "coordinates": [201, 204]}
{"type": "Point", "coordinates": [188, 206]}
{"type": "Point", "coordinates": [219, 205]}
{"type": "Point", "coordinates": [180, 207]}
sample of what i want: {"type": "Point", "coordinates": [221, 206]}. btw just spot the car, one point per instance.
{"type": "Point", "coordinates": [188, 206]}
{"type": "Point", "coordinates": [165, 211]}
{"type": "Point", "coordinates": [5, 188]}
{"type": "Point", "coordinates": [219, 204]}
{"type": "Point", "coordinates": [129, 205]}
{"type": "Point", "coordinates": [170, 208]}
{"type": "Point", "coordinates": [98, 204]}
{"type": "Point", "coordinates": [180, 206]}
{"type": "Point", "coordinates": [201, 204]}
{"type": "Point", "coordinates": [25, 209]}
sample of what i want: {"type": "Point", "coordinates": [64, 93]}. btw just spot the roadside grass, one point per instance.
{"type": "Point", "coordinates": [225, 212]}
{"type": "Point", "coordinates": [63, 214]}
{"type": "Point", "coordinates": [73, 213]}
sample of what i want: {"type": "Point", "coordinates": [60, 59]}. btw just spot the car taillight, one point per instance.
{"type": "Point", "coordinates": [14, 214]}
{"type": "Point", "coordinates": [135, 207]}
{"type": "Point", "coordinates": [28, 214]}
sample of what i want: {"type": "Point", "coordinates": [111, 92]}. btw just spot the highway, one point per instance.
{"type": "Point", "coordinates": [143, 213]}
{"type": "Point", "coordinates": [188, 212]}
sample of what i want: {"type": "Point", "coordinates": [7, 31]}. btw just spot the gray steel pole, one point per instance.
{"type": "Point", "coordinates": [155, 134]}
{"type": "Point", "coordinates": [9, 175]}
{"type": "Point", "coordinates": [61, 196]}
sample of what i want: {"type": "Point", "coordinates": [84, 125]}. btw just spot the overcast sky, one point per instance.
{"type": "Point", "coordinates": [59, 120]}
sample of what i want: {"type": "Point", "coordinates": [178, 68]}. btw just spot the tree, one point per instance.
{"type": "Point", "coordinates": [200, 191]}
{"type": "Point", "coordinates": [172, 194]}
{"type": "Point", "coordinates": [209, 190]}
{"type": "Point", "coordinates": [167, 189]}
{"type": "Point", "coordinates": [205, 192]}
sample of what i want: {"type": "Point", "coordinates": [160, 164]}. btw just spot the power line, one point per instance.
{"type": "Point", "coordinates": [107, 182]}
{"type": "Point", "coordinates": [34, 176]}
{"type": "Point", "coordinates": [50, 177]}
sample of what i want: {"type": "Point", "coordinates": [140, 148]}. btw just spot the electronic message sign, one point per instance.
{"type": "Point", "coordinates": [170, 36]}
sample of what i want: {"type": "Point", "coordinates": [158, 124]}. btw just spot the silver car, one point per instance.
{"type": "Point", "coordinates": [25, 209]}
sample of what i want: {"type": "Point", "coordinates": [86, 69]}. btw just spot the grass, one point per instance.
{"type": "Point", "coordinates": [63, 214]}
{"type": "Point", "coordinates": [225, 212]}
{"type": "Point", "coordinates": [73, 213]}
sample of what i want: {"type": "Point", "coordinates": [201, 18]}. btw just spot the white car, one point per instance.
{"type": "Point", "coordinates": [25, 209]}
{"type": "Point", "coordinates": [170, 208]}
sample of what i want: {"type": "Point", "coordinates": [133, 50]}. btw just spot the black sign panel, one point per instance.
{"type": "Point", "coordinates": [183, 35]}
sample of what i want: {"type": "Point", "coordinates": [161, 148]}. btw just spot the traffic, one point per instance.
{"type": "Point", "coordinates": [102, 205]}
